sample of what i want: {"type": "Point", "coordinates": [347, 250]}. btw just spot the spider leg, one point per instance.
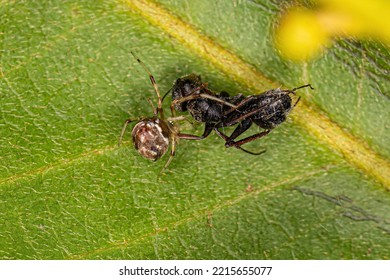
{"type": "Point", "coordinates": [127, 122]}
{"type": "Point", "coordinates": [172, 154]}
{"type": "Point", "coordinates": [184, 136]}
{"type": "Point", "coordinates": [153, 81]}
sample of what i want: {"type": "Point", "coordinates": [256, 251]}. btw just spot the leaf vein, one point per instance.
{"type": "Point", "coordinates": [123, 244]}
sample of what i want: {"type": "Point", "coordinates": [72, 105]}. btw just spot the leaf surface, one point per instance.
{"type": "Point", "coordinates": [68, 82]}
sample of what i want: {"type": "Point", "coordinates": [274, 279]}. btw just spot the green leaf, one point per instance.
{"type": "Point", "coordinates": [68, 82]}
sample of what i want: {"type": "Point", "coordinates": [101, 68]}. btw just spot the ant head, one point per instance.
{"type": "Point", "coordinates": [185, 86]}
{"type": "Point", "coordinates": [151, 138]}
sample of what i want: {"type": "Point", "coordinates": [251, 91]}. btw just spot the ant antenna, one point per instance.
{"type": "Point", "coordinates": [308, 85]}
{"type": "Point", "coordinates": [165, 95]}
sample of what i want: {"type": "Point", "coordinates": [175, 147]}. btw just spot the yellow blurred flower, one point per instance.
{"type": "Point", "coordinates": [303, 33]}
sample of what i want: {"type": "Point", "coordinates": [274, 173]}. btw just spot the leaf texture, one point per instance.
{"type": "Point", "coordinates": [68, 82]}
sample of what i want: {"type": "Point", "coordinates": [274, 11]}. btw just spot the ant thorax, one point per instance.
{"type": "Point", "coordinates": [151, 138]}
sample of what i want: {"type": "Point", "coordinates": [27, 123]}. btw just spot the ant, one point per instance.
{"type": "Point", "coordinates": [267, 110]}
{"type": "Point", "coordinates": [152, 136]}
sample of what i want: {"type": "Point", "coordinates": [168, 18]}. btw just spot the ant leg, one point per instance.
{"type": "Point", "coordinates": [296, 102]}
{"type": "Point", "coordinates": [124, 129]}
{"type": "Point", "coordinates": [207, 130]}
{"type": "Point", "coordinates": [247, 139]}
{"type": "Point", "coordinates": [227, 139]}
{"type": "Point", "coordinates": [249, 152]}
{"type": "Point", "coordinates": [240, 129]}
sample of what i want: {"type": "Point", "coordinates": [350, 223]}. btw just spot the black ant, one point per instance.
{"type": "Point", "coordinates": [152, 136]}
{"type": "Point", "coordinates": [267, 110]}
